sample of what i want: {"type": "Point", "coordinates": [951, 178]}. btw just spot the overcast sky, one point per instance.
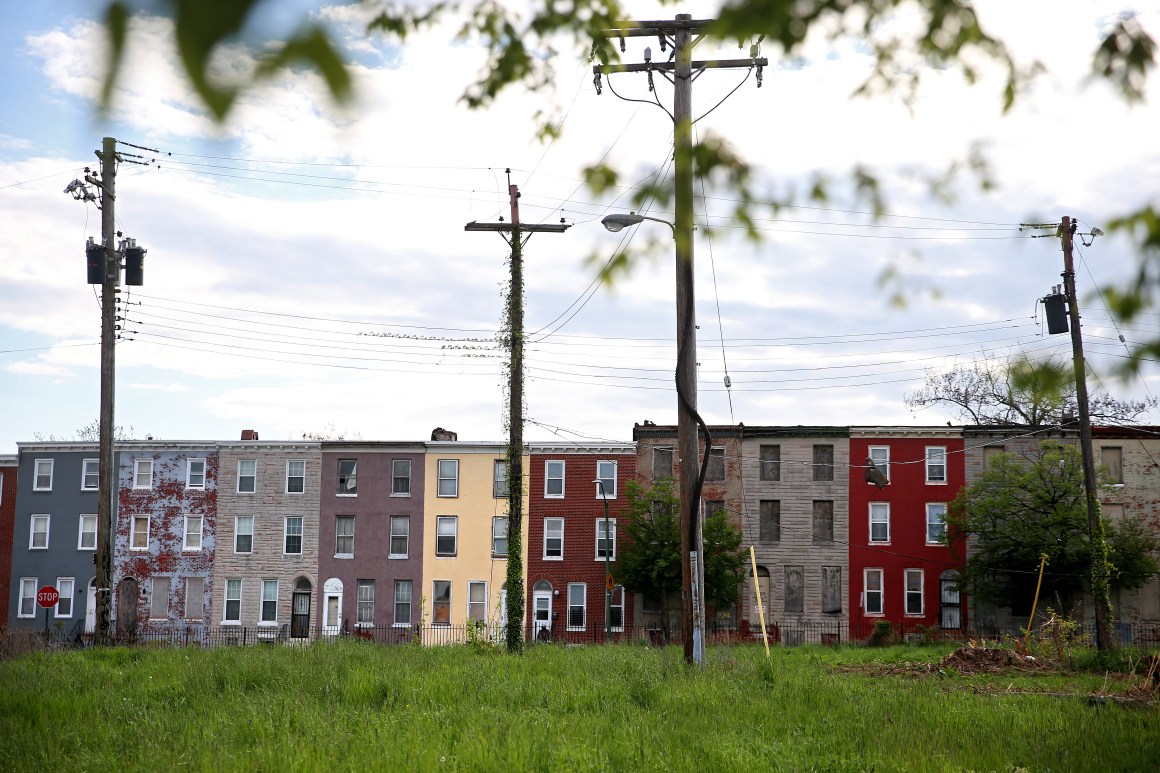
{"type": "Point", "coordinates": [308, 269]}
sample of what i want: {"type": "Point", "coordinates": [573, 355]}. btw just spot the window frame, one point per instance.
{"type": "Point", "coordinates": [287, 534]}
{"type": "Point", "coordinates": [339, 536]}
{"type": "Point", "coordinates": [769, 469]}
{"type": "Point", "coordinates": [613, 606]}
{"type": "Point", "coordinates": [601, 479]}
{"type": "Point", "coordinates": [189, 475]}
{"type": "Point", "coordinates": [190, 605]}
{"type": "Point", "coordinates": [454, 536]}
{"type": "Point", "coordinates": [134, 531]}
{"type": "Point", "coordinates": [1116, 471]}
{"type": "Point", "coordinates": [823, 472]}
{"type": "Point", "coordinates": [347, 485]}
{"type": "Point", "coordinates": [882, 461]}
{"type": "Point", "coordinates": [553, 519]}
{"type": "Point", "coordinates": [395, 622]}
{"type": "Point", "coordinates": [479, 605]}
{"type": "Point", "coordinates": [880, 592]}
{"type": "Point", "coordinates": [582, 607]}
{"type": "Point", "coordinates": [716, 459]}
{"type": "Point", "coordinates": [139, 466]}
{"type": "Point", "coordinates": [392, 536]}
{"type": "Point", "coordinates": [929, 464]}
{"type": "Point", "coordinates": [238, 533]}
{"type": "Point", "coordinates": [81, 532]}
{"type": "Point", "coordinates": [436, 603]}
{"type": "Point", "coordinates": [85, 473]}
{"type": "Point", "coordinates": [663, 452]}
{"type": "Point", "coordinates": [252, 476]}
{"type": "Point", "coordinates": [263, 601]}
{"type": "Point", "coordinates": [549, 478]}
{"type": "Point", "coordinates": [942, 522]}
{"type": "Point", "coordinates": [599, 526]}
{"type": "Point", "coordinates": [37, 474]}
{"type": "Point", "coordinates": [185, 532]}
{"type": "Point", "coordinates": [883, 507]}
{"type": "Point", "coordinates": [815, 520]}
{"type": "Point", "coordinates": [499, 482]}
{"type": "Point", "coordinates": [495, 538]}
{"type": "Point", "coordinates": [909, 593]}
{"type": "Point", "coordinates": [166, 582]}
{"type": "Point", "coordinates": [364, 607]}
{"type": "Point", "coordinates": [774, 519]}
{"type": "Point", "coordinates": [396, 477]}
{"type": "Point", "coordinates": [29, 583]}
{"type": "Point", "coordinates": [291, 477]}
{"type": "Point", "coordinates": [441, 477]}
{"type": "Point", "coordinates": [33, 531]}
{"type": "Point", "coordinates": [237, 601]}
{"type": "Point", "coordinates": [69, 593]}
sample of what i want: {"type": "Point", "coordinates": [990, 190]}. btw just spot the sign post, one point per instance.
{"type": "Point", "coordinates": [47, 597]}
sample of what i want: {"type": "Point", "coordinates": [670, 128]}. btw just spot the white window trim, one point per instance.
{"type": "Point", "coordinates": [507, 532]}
{"type": "Point", "coordinates": [262, 602]}
{"type": "Point", "coordinates": [439, 478]}
{"type": "Point", "coordinates": [81, 531]}
{"type": "Point", "coordinates": [599, 479]}
{"type": "Point", "coordinates": [185, 547]}
{"type": "Point", "coordinates": [251, 535]}
{"type": "Point", "coordinates": [137, 464]}
{"type": "Point", "coordinates": [289, 476]}
{"type": "Point", "coordinates": [906, 593]}
{"type": "Point", "coordinates": [85, 463]}
{"type": "Point", "coordinates": [470, 602]}
{"type": "Point", "coordinates": [596, 546]}
{"type": "Point", "coordinates": [72, 594]}
{"type": "Point", "coordinates": [871, 522]}
{"type": "Point", "coordinates": [238, 486]}
{"type": "Point", "coordinates": [31, 582]}
{"type": "Point", "coordinates": [563, 477]}
{"type": "Point", "coordinates": [926, 466]}
{"type": "Point", "coordinates": [395, 604]}
{"type": "Point", "coordinates": [301, 534]}
{"type": "Point", "coordinates": [881, 590]}
{"type": "Point", "coordinates": [337, 554]}
{"type": "Point", "coordinates": [885, 467]}
{"type": "Point", "coordinates": [189, 473]}
{"type": "Point", "coordinates": [32, 530]}
{"type": "Point", "coordinates": [226, 601]}
{"type": "Point", "coordinates": [36, 474]}
{"type": "Point", "coordinates": [929, 505]}
{"type": "Point", "coordinates": [455, 520]}
{"type": "Point", "coordinates": [391, 538]}
{"type": "Point", "coordinates": [568, 607]}
{"type": "Point", "coordinates": [410, 467]}
{"type": "Point", "coordinates": [358, 585]}
{"type": "Point", "coordinates": [546, 556]}
{"type": "Point", "coordinates": [133, 530]}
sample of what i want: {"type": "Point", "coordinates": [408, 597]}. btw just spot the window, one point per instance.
{"type": "Point", "coordinates": [401, 478]}
{"type": "Point", "coordinates": [38, 536]}
{"type": "Point", "coordinates": [244, 534]}
{"type": "Point", "coordinates": [824, 462]}
{"type": "Point", "coordinates": [247, 476]}
{"type": "Point", "coordinates": [344, 536]}
{"type": "Point", "coordinates": [42, 476]}
{"type": "Point", "coordinates": [192, 533]}
{"type": "Point", "coordinates": [296, 476]}
{"type": "Point", "coordinates": [195, 474]}
{"type": "Point", "coordinates": [194, 597]}
{"type": "Point", "coordinates": [605, 543]}
{"type": "Point", "coordinates": [400, 534]}
{"type": "Point", "coordinates": [139, 533]}
{"type": "Point", "coordinates": [293, 535]}
{"type": "Point", "coordinates": [553, 539]}
{"type": "Point", "coordinates": [477, 601]}
{"type": "Point", "coordinates": [269, 611]}
{"type": "Point", "coordinates": [87, 539]}
{"type": "Point", "coordinates": [1113, 459]}
{"type": "Point", "coordinates": [66, 587]}
{"type": "Point", "coordinates": [831, 589]}
{"type": "Point", "coordinates": [499, 483]}
{"type": "Point", "coordinates": [936, 464]}
{"type": "Point", "coordinates": [27, 597]}
{"type": "Point", "coordinates": [879, 521]}
{"type": "Point", "coordinates": [402, 602]}
{"type": "Point", "coordinates": [554, 479]}
{"type": "Point", "coordinates": [577, 601]}
{"type": "Point", "coordinates": [880, 456]}
{"type": "Point", "coordinates": [159, 599]}
{"type": "Point", "coordinates": [936, 523]}
{"type": "Point", "coordinates": [713, 507]}
{"type": "Point", "coordinates": [448, 474]}
{"type": "Point", "coordinates": [348, 477]}
{"type": "Point", "coordinates": [872, 597]}
{"type": "Point", "coordinates": [365, 604]}
{"type": "Point", "coordinates": [616, 608]}
{"type": "Point", "coordinates": [795, 596]}
{"type": "Point", "coordinates": [441, 602]}
{"type": "Point", "coordinates": [233, 610]}
{"type": "Point", "coordinates": [716, 469]}
{"type": "Point", "coordinates": [769, 521]}
{"type": "Point", "coordinates": [499, 536]}
{"type": "Point", "coordinates": [606, 480]}
{"type": "Point", "coordinates": [823, 520]}
{"type": "Point", "coordinates": [662, 460]}
{"type": "Point", "coordinates": [770, 463]}
{"type": "Point", "coordinates": [142, 473]}
{"type": "Point", "coordinates": [90, 474]}
{"type": "Point", "coordinates": [446, 532]}
{"type": "Point", "coordinates": [914, 592]}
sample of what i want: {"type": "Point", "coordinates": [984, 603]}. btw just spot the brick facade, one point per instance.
{"type": "Point", "coordinates": [8, 470]}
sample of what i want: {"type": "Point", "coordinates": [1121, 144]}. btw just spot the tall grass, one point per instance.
{"type": "Point", "coordinates": [352, 706]}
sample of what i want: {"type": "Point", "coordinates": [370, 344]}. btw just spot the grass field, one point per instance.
{"type": "Point", "coordinates": [356, 706]}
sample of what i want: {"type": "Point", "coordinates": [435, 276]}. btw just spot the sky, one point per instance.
{"type": "Point", "coordinates": [308, 271]}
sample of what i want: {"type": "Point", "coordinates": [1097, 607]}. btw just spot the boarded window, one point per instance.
{"type": "Point", "coordinates": [770, 463]}
{"type": "Point", "coordinates": [1113, 460]}
{"type": "Point", "coordinates": [713, 507]}
{"type": "Point", "coordinates": [194, 597]}
{"type": "Point", "coordinates": [769, 521]}
{"type": "Point", "coordinates": [824, 462]}
{"type": "Point", "coordinates": [794, 591]}
{"type": "Point", "coordinates": [823, 520]}
{"type": "Point", "coordinates": [831, 589]}
{"type": "Point", "coordinates": [159, 602]}
{"type": "Point", "coordinates": [990, 452]}
{"type": "Point", "coordinates": [716, 469]}
{"type": "Point", "coordinates": [662, 463]}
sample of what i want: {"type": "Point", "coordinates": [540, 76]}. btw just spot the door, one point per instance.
{"type": "Point", "coordinates": [542, 615]}
{"type": "Point", "coordinates": [91, 607]}
{"type": "Point", "coordinates": [127, 608]}
{"type": "Point", "coordinates": [332, 607]}
{"type": "Point", "coordinates": [950, 612]}
{"type": "Point", "coordinates": [300, 616]}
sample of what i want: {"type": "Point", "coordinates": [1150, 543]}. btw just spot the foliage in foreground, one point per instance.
{"type": "Point", "coordinates": [350, 705]}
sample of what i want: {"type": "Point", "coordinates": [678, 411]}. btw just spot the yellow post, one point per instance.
{"type": "Point", "coordinates": [1035, 603]}
{"type": "Point", "coordinates": [760, 607]}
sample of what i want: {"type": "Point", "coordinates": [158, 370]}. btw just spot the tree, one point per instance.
{"type": "Point", "coordinates": [1019, 392]}
{"type": "Point", "coordinates": [90, 433]}
{"type": "Point", "coordinates": [1022, 508]}
{"type": "Point", "coordinates": [650, 561]}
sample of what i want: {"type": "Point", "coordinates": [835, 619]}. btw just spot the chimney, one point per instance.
{"type": "Point", "coordinates": [249, 434]}
{"type": "Point", "coordinates": [443, 434]}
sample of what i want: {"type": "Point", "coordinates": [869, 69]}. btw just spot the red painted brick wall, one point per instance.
{"type": "Point", "coordinates": [7, 526]}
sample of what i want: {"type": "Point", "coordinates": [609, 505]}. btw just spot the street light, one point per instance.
{"type": "Point", "coordinates": [616, 223]}
{"type": "Point", "coordinates": [607, 554]}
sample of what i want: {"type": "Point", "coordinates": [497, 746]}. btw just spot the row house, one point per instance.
{"type": "Point", "coordinates": [796, 483]}
{"type": "Point", "coordinates": [371, 530]}
{"type": "Point", "coordinates": [265, 578]}
{"type": "Point", "coordinates": [8, 469]}
{"type": "Point", "coordinates": [575, 494]}
{"type": "Point", "coordinates": [165, 538]}
{"type": "Point", "coordinates": [901, 567]}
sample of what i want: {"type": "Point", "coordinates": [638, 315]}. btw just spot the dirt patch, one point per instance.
{"type": "Point", "coordinates": [974, 660]}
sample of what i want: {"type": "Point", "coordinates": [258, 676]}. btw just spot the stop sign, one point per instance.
{"type": "Point", "coordinates": [47, 596]}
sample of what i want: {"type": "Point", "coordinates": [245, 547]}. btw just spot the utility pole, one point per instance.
{"type": "Point", "coordinates": [683, 70]}
{"type": "Point", "coordinates": [514, 634]}
{"type": "Point", "coordinates": [1099, 548]}
{"type": "Point", "coordinates": [107, 469]}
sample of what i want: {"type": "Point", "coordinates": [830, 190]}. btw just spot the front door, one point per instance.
{"type": "Point", "coordinates": [127, 608]}
{"type": "Point", "coordinates": [91, 608]}
{"type": "Point", "coordinates": [331, 606]}
{"type": "Point", "coordinates": [542, 616]}
{"type": "Point", "coordinates": [950, 612]}
{"type": "Point", "coordinates": [300, 615]}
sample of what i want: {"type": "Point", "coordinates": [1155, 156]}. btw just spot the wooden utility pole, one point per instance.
{"type": "Point", "coordinates": [1099, 548]}
{"type": "Point", "coordinates": [107, 469]}
{"type": "Point", "coordinates": [514, 634]}
{"type": "Point", "coordinates": [683, 69]}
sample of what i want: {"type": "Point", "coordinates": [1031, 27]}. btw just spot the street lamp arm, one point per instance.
{"type": "Point", "coordinates": [616, 223]}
